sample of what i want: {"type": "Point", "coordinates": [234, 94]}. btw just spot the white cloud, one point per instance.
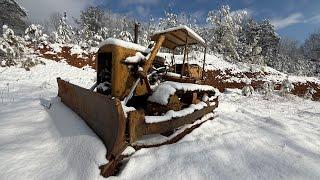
{"type": "Point", "coordinates": [42, 9]}
{"type": "Point", "coordinates": [314, 20]}
{"type": "Point", "coordinates": [294, 18]}
{"type": "Point", "coordinates": [139, 7]}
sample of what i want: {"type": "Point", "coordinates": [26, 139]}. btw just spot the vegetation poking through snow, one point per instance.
{"type": "Point", "coordinates": [286, 86]}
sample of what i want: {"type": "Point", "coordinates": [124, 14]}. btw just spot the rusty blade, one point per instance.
{"type": "Point", "coordinates": [103, 114]}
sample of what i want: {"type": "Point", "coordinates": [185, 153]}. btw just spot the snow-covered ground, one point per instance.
{"type": "Point", "coordinates": [250, 138]}
{"type": "Point", "coordinates": [40, 143]}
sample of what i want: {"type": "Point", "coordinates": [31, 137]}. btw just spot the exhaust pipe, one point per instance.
{"type": "Point", "coordinates": [136, 32]}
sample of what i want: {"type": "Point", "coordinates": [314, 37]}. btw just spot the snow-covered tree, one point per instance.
{"type": "Point", "coordinates": [83, 37]}
{"type": "Point", "coordinates": [169, 20]}
{"type": "Point", "coordinates": [126, 36]}
{"type": "Point", "coordinates": [268, 88]}
{"type": "Point", "coordinates": [250, 50]}
{"type": "Point", "coordinates": [247, 90]}
{"type": "Point", "coordinates": [311, 51]}
{"type": "Point", "coordinates": [224, 30]}
{"type": "Point", "coordinates": [34, 34]}
{"type": "Point", "coordinates": [290, 58]}
{"type": "Point", "coordinates": [286, 86]}
{"type": "Point", "coordinates": [269, 40]}
{"type": "Point", "coordinates": [12, 47]}
{"type": "Point", "coordinates": [311, 46]}
{"type": "Point", "coordinates": [151, 26]}
{"type": "Point", "coordinates": [64, 32]}
{"type": "Point", "coordinates": [104, 32]}
{"type": "Point", "coordinates": [91, 18]}
{"type": "Point", "coordinates": [144, 35]}
{"type": "Point", "coordinates": [113, 24]}
{"type": "Point", "coordinates": [54, 20]}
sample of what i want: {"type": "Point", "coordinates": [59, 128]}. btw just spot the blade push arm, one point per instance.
{"type": "Point", "coordinates": [147, 65]}
{"type": "Point", "coordinates": [154, 52]}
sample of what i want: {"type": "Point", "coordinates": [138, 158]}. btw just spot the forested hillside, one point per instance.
{"type": "Point", "coordinates": [234, 34]}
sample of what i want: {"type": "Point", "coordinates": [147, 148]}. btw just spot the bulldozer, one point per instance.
{"type": "Point", "coordinates": [137, 93]}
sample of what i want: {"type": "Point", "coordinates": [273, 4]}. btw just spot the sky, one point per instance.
{"type": "Point", "coordinates": [292, 18]}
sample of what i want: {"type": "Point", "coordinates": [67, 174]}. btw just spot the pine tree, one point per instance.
{"type": "Point", "coordinates": [91, 18]}
{"type": "Point", "coordinates": [170, 20]}
{"type": "Point", "coordinates": [125, 33]}
{"type": "Point", "coordinates": [126, 36]}
{"type": "Point", "coordinates": [311, 51]}
{"type": "Point", "coordinates": [225, 28]}
{"type": "Point", "coordinates": [250, 37]}
{"type": "Point", "coordinates": [84, 37]}
{"type": "Point", "coordinates": [34, 34]}
{"type": "Point", "coordinates": [12, 47]}
{"type": "Point", "coordinates": [269, 40]}
{"type": "Point", "coordinates": [311, 46]}
{"type": "Point", "coordinates": [290, 58]}
{"type": "Point", "coordinates": [65, 32]}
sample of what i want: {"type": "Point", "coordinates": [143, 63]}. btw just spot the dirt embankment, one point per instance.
{"type": "Point", "coordinates": [77, 60]}
{"type": "Point", "coordinates": [217, 78]}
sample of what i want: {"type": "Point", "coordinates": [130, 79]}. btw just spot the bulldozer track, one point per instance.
{"type": "Point", "coordinates": [113, 168]}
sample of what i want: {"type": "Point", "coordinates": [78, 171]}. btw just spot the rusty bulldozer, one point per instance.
{"type": "Point", "coordinates": [137, 94]}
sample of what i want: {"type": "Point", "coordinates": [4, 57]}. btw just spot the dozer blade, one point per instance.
{"type": "Point", "coordinates": [103, 114]}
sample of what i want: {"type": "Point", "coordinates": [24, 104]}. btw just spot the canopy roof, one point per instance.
{"type": "Point", "coordinates": [177, 36]}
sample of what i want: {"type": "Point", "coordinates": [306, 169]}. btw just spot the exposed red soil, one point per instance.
{"type": "Point", "coordinates": [214, 78]}
{"type": "Point", "coordinates": [301, 88]}
{"type": "Point", "coordinates": [74, 60]}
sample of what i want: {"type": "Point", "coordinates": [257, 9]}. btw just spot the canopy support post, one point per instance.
{"type": "Point", "coordinates": [204, 62]}
{"type": "Point", "coordinates": [173, 61]}
{"type": "Point", "coordinates": [184, 56]}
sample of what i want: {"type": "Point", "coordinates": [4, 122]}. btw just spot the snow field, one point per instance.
{"type": "Point", "coordinates": [250, 137]}
{"type": "Point", "coordinates": [41, 143]}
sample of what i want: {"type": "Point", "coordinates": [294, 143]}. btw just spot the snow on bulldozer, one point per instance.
{"type": "Point", "coordinates": [138, 93]}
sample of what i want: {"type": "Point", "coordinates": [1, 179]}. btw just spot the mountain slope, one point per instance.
{"type": "Point", "coordinates": [13, 15]}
